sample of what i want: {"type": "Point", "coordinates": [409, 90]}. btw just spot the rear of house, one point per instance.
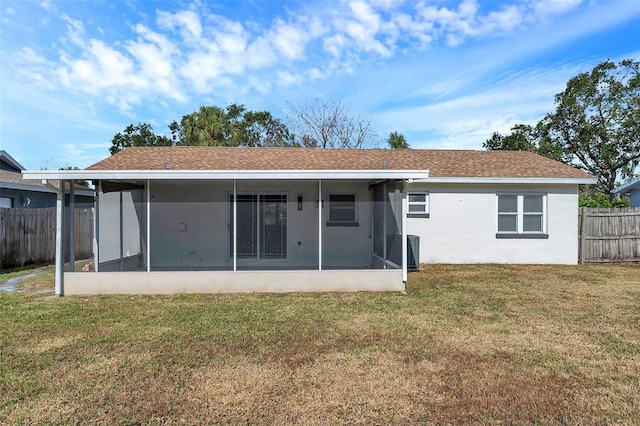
{"type": "Point", "coordinates": [215, 219]}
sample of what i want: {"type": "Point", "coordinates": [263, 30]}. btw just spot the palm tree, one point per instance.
{"type": "Point", "coordinates": [397, 141]}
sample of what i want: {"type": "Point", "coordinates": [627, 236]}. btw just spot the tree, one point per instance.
{"type": "Point", "coordinates": [522, 138]}
{"type": "Point", "coordinates": [139, 135]}
{"type": "Point", "coordinates": [397, 141]}
{"type": "Point", "coordinates": [326, 124]}
{"type": "Point", "coordinates": [262, 129]}
{"type": "Point", "coordinates": [211, 126]}
{"type": "Point", "coordinates": [597, 121]}
{"type": "Point", "coordinates": [233, 126]}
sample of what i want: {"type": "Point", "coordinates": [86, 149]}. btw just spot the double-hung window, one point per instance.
{"type": "Point", "coordinates": [522, 216]}
{"type": "Point", "coordinates": [342, 210]}
{"type": "Point", "coordinates": [418, 204]}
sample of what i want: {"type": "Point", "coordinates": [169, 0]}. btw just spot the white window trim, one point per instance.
{"type": "Point", "coordinates": [520, 232]}
{"type": "Point", "coordinates": [354, 222]}
{"type": "Point", "coordinates": [424, 213]}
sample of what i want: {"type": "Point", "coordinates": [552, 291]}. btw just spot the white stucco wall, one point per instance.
{"type": "Point", "coordinates": [461, 227]}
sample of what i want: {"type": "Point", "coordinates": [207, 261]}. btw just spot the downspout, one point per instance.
{"type": "Point", "coordinates": [59, 278]}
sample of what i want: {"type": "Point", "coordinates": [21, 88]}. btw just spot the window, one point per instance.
{"type": "Point", "coordinates": [418, 204]}
{"type": "Point", "coordinates": [521, 216]}
{"type": "Point", "coordinates": [342, 210]}
{"type": "Point", "coordinates": [262, 226]}
{"type": "Point", "coordinates": [6, 202]}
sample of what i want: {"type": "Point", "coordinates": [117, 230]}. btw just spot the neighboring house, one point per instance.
{"type": "Point", "coordinates": [632, 189]}
{"type": "Point", "coordinates": [16, 192]}
{"type": "Point", "coordinates": [217, 219]}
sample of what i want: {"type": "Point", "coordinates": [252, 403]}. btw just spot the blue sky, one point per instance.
{"type": "Point", "coordinates": [446, 74]}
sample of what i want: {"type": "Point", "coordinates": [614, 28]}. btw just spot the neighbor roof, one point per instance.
{"type": "Point", "coordinates": [440, 163]}
{"type": "Point", "coordinates": [628, 186]}
{"type": "Point", "coordinates": [14, 180]}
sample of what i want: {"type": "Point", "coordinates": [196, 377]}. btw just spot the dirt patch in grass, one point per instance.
{"type": "Point", "coordinates": [466, 344]}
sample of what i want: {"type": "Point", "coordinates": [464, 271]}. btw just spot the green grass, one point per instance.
{"type": "Point", "coordinates": [466, 344]}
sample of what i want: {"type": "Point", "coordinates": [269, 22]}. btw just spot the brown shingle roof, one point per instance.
{"type": "Point", "coordinates": [7, 176]}
{"type": "Point", "coordinates": [440, 163]}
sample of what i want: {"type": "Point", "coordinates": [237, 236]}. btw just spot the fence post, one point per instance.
{"type": "Point", "coordinates": [583, 220]}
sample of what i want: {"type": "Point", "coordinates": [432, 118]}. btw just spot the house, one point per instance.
{"type": "Point", "coordinates": [16, 192]}
{"type": "Point", "coordinates": [632, 188]}
{"type": "Point", "coordinates": [218, 219]}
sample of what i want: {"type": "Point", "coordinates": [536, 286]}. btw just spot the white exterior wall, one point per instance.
{"type": "Point", "coordinates": [462, 225]}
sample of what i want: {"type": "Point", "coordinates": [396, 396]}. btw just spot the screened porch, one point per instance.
{"type": "Point", "coordinates": [211, 230]}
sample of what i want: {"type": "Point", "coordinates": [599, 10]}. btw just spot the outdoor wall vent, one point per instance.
{"type": "Point", "coordinates": [164, 165]}
{"type": "Point", "coordinates": [384, 164]}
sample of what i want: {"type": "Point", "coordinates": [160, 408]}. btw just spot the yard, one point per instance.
{"type": "Point", "coordinates": [466, 344]}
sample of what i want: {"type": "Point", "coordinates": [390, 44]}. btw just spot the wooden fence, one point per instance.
{"type": "Point", "coordinates": [609, 235]}
{"type": "Point", "coordinates": [28, 236]}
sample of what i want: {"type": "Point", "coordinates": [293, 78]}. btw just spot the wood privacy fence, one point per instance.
{"type": "Point", "coordinates": [28, 236]}
{"type": "Point", "coordinates": [609, 235]}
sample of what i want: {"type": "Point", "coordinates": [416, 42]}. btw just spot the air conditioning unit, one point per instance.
{"type": "Point", "coordinates": [413, 252]}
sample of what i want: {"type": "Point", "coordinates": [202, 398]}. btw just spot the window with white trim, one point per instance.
{"type": "Point", "coordinates": [342, 210]}
{"type": "Point", "coordinates": [418, 204]}
{"type": "Point", "coordinates": [522, 216]}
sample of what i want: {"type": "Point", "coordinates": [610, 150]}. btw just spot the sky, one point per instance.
{"type": "Point", "coordinates": [445, 74]}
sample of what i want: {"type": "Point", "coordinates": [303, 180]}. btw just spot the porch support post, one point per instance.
{"type": "Point", "coordinates": [404, 234]}
{"type": "Point", "coordinates": [121, 234]}
{"type": "Point", "coordinates": [148, 226]}
{"type": "Point", "coordinates": [72, 220]}
{"type": "Point", "coordinates": [59, 281]}
{"type": "Point", "coordinates": [96, 228]}
{"type": "Point", "coordinates": [235, 225]}
{"type": "Point", "coordinates": [319, 224]}
{"type": "Point", "coordinates": [385, 195]}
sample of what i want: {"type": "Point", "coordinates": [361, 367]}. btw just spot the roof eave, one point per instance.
{"type": "Point", "coordinates": [628, 186]}
{"type": "Point", "coordinates": [224, 174]}
{"type": "Point", "coordinates": [511, 180]}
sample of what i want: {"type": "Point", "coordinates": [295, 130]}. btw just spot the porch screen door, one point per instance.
{"type": "Point", "coordinates": [262, 226]}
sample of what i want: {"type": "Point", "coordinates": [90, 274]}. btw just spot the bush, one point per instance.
{"type": "Point", "coordinates": [601, 200]}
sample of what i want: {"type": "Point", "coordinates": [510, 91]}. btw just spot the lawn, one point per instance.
{"type": "Point", "coordinates": [466, 344]}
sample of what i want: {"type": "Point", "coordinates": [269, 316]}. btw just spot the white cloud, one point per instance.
{"type": "Point", "coordinates": [289, 40]}
{"type": "Point", "coordinates": [48, 6]}
{"type": "Point", "coordinates": [187, 21]}
{"type": "Point", "coordinates": [75, 30]}
{"type": "Point", "coordinates": [545, 8]}
{"type": "Point", "coordinates": [364, 27]}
